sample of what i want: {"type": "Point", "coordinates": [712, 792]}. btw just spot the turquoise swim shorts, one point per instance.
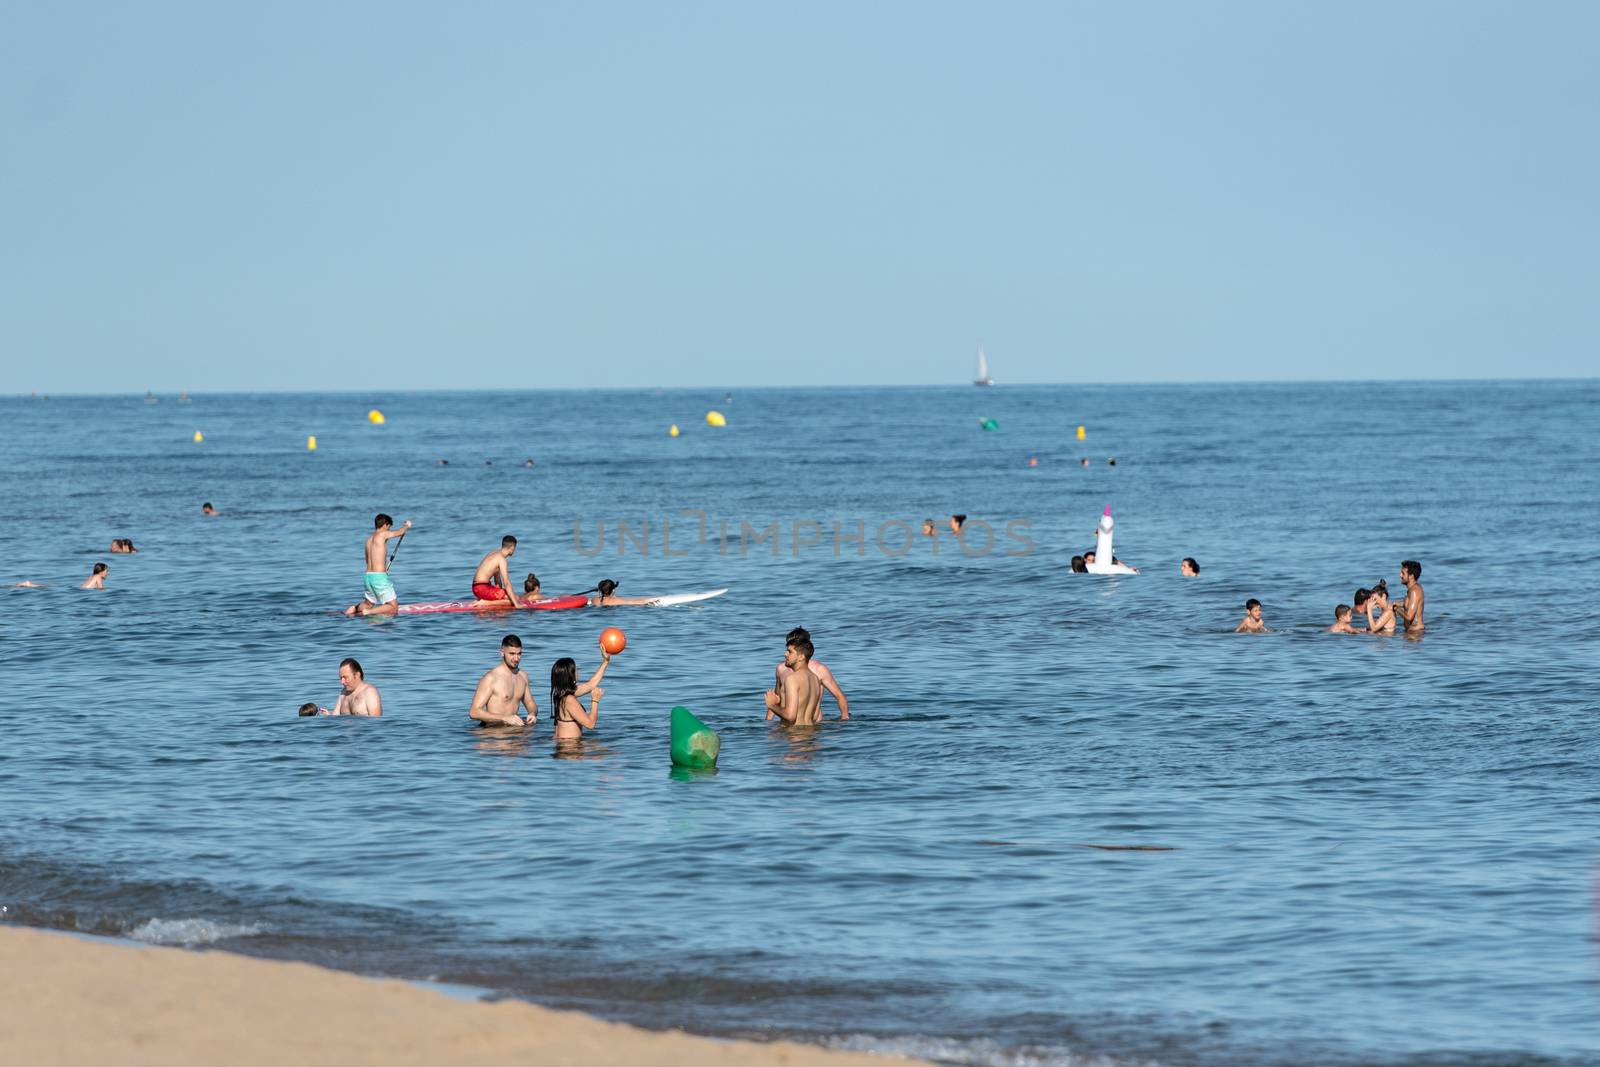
{"type": "Point", "coordinates": [379, 589]}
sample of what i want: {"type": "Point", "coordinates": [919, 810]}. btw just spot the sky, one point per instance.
{"type": "Point", "coordinates": [306, 196]}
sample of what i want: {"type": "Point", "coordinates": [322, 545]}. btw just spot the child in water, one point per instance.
{"type": "Point", "coordinates": [1341, 621]}
{"type": "Point", "coordinates": [1251, 623]}
{"type": "Point", "coordinates": [568, 712]}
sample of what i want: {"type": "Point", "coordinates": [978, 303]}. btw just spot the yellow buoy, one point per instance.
{"type": "Point", "coordinates": [198, 437]}
{"type": "Point", "coordinates": [714, 418]}
{"type": "Point", "coordinates": [674, 431]}
{"type": "Point", "coordinates": [311, 443]}
{"type": "Point", "coordinates": [1080, 433]}
{"type": "Point", "coordinates": [375, 417]}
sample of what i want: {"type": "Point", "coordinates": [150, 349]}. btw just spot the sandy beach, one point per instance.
{"type": "Point", "coordinates": [73, 1000]}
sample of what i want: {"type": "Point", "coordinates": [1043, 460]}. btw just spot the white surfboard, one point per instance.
{"type": "Point", "coordinates": [675, 599]}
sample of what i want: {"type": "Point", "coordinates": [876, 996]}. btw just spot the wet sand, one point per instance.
{"type": "Point", "coordinates": [75, 1000]}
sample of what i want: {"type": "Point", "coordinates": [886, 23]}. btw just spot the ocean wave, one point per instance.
{"type": "Point", "coordinates": [188, 932]}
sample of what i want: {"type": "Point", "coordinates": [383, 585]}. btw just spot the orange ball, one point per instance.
{"type": "Point", "coordinates": [613, 640]}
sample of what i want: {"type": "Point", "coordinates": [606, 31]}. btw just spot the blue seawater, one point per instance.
{"type": "Point", "coordinates": [1364, 849]}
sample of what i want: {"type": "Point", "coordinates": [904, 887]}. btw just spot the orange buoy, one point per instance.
{"type": "Point", "coordinates": [613, 640]}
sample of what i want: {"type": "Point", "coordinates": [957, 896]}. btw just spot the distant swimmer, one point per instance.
{"type": "Point", "coordinates": [1409, 610]}
{"type": "Point", "coordinates": [1341, 621]}
{"type": "Point", "coordinates": [97, 579]}
{"type": "Point", "coordinates": [927, 528]}
{"type": "Point", "coordinates": [1251, 623]}
{"type": "Point", "coordinates": [1189, 568]}
{"type": "Point", "coordinates": [1089, 557]}
{"type": "Point", "coordinates": [357, 696]}
{"type": "Point", "coordinates": [505, 688]}
{"type": "Point", "coordinates": [27, 585]}
{"type": "Point", "coordinates": [122, 546]}
{"type": "Point", "coordinates": [824, 675]}
{"type": "Point", "coordinates": [1084, 462]}
{"type": "Point", "coordinates": [491, 582]}
{"type": "Point", "coordinates": [378, 596]}
{"type": "Point", "coordinates": [207, 509]}
{"type": "Point", "coordinates": [956, 522]}
{"type": "Point", "coordinates": [567, 711]}
{"type": "Point", "coordinates": [606, 597]}
{"type": "Point", "coordinates": [530, 588]}
{"type": "Point", "coordinates": [1080, 565]}
{"type": "Point", "coordinates": [798, 698]}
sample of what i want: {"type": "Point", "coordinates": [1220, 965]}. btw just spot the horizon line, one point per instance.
{"type": "Point", "coordinates": [391, 391]}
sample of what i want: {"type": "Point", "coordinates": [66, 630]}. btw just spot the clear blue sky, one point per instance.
{"type": "Point", "coordinates": [313, 195]}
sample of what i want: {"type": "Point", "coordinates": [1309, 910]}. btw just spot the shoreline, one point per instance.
{"type": "Point", "coordinates": [79, 999]}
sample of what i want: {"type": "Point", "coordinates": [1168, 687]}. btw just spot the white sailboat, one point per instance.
{"type": "Point", "coordinates": [983, 370]}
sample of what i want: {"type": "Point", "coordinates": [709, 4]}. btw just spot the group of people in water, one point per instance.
{"type": "Point", "coordinates": [1381, 614]}
{"type": "Point", "coordinates": [504, 695]}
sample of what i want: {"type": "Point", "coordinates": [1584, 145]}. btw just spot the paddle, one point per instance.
{"type": "Point", "coordinates": [396, 551]}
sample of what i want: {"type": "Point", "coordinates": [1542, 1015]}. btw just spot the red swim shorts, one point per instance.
{"type": "Point", "coordinates": [485, 591]}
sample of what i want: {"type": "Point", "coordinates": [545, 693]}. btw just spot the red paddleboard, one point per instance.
{"type": "Point", "coordinates": [549, 603]}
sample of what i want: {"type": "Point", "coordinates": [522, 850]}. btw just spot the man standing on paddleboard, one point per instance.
{"type": "Point", "coordinates": [491, 582]}
{"type": "Point", "coordinates": [379, 597]}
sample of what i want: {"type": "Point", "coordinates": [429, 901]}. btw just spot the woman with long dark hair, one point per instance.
{"type": "Point", "coordinates": [571, 719]}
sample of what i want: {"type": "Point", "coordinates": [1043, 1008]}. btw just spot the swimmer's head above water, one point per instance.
{"type": "Point", "coordinates": [308, 709]}
{"type": "Point", "coordinates": [1079, 566]}
{"type": "Point", "coordinates": [530, 584]}
{"type": "Point", "coordinates": [606, 587]}
{"type": "Point", "coordinates": [1189, 568]}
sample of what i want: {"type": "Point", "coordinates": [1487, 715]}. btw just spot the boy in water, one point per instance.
{"type": "Point", "coordinates": [824, 675]}
{"type": "Point", "coordinates": [1341, 621]}
{"type": "Point", "coordinates": [502, 689]}
{"type": "Point", "coordinates": [378, 596]}
{"type": "Point", "coordinates": [798, 698]}
{"type": "Point", "coordinates": [1251, 623]}
{"type": "Point", "coordinates": [97, 579]}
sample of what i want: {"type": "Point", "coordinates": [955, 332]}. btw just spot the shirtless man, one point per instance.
{"type": "Point", "coordinates": [1341, 621]}
{"type": "Point", "coordinates": [357, 696]}
{"type": "Point", "coordinates": [378, 597]}
{"type": "Point", "coordinates": [824, 675]}
{"type": "Point", "coordinates": [1409, 611]}
{"type": "Point", "coordinates": [500, 691]}
{"type": "Point", "coordinates": [491, 582]}
{"type": "Point", "coordinates": [1251, 623]}
{"type": "Point", "coordinates": [798, 698]}
{"type": "Point", "coordinates": [97, 579]}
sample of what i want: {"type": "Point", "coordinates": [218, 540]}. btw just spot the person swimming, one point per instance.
{"type": "Point", "coordinates": [1251, 623]}
{"type": "Point", "coordinates": [97, 577]}
{"type": "Point", "coordinates": [571, 718]}
{"type": "Point", "coordinates": [1080, 565]}
{"type": "Point", "coordinates": [1189, 568]}
{"type": "Point", "coordinates": [607, 590]}
{"type": "Point", "coordinates": [1341, 621]}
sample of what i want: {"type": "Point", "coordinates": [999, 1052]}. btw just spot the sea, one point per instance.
{"type": "Point", "coordinates": [1071, 820]}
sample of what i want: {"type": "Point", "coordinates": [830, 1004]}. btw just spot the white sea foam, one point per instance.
{"type": "Point", "coordinates": [976, 1053]}
{"type": "Point", "coordinates": [188, 932]}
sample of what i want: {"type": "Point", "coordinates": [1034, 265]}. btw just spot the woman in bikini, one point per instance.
{"type": "Point", "coordinates": [568, 712]}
